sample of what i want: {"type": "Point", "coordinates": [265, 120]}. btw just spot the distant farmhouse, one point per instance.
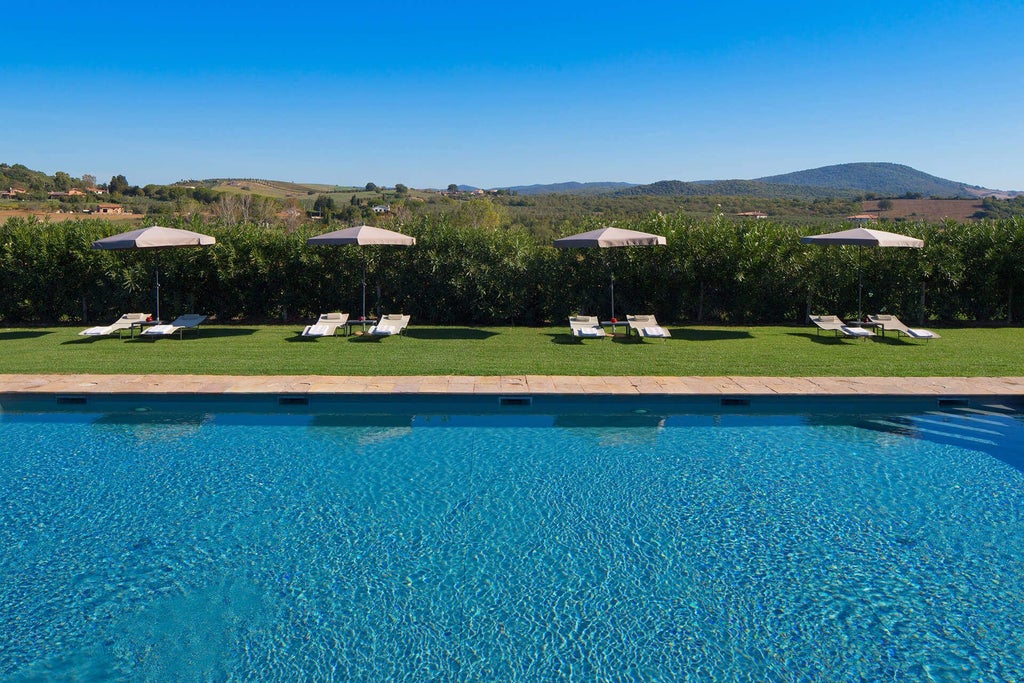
{"type": "Point", "coordinates": [12, 193]}
{"type": "Point", "coordinates": [109, 208]}
{"type": "Point", "coordinates": [752, 214]}
{"type": "Point", "coordinates": [862, 218]}
{"type": "Point", "coordinates": [382, 208]}
{"type": "Point", "coordinates": [75, 192]}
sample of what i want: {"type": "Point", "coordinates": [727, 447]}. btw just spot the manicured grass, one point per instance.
{"type": "Point", "coordinates": [698, 350]}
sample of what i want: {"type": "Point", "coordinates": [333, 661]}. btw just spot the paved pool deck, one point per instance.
{"type": "Point", "coordinates": [512, 384]}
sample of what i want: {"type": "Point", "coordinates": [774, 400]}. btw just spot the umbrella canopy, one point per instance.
{"type": "Point", "coordinates": [610, 237]}
{"type": "Point", "coordinates": [863, 237]}
{"type": "Point", "coordinates": [155, 237]}
{"type": "Point", "coordinates": [363, 235]}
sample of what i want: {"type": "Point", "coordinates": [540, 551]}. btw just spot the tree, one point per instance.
{"type": "Point", "coordinates": [401, 189]}
{"type": "Point", "coordinates": [453, 188]}
{"type": "Point", "coordinates": [481, 213]}
{"type": "Point", "coordinates": [88, 180]}
{"type": "Point", "coordinates": [226, 208]}
{"type": "Point", "coordinates": [118, 185]}
{"type": "Point", "coordinates": [884, 204]}
{"type": "Point", "coordinates": [324, 205]}
{"type": "Point", "coordinates": [371, 187]}
{"type": "Point", "coordinates": [61, 181]}
{"type": "Point", "coordinates": [293, 215]}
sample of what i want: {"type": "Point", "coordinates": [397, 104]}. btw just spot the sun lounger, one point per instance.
{"type": "Point", "coordinates": [646, 326]}
{"type": "Point", "coordinates": [326, 326]}
{"type": "Point", "coordinates": [389, 325]}
{"type": "Point", "coordinates": [123, 323]}
{"type": "Point", "coordinates": [585, 326]}
{"type": "Point", "coordinates": [891, 322]}
{"type": "Point", "coordinates": [834, 324]}
{"type": "Point", "coordinates": [189, 321]}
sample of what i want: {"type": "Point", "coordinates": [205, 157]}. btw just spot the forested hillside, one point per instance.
{"type": "Point", "coordinates": [884, 179]}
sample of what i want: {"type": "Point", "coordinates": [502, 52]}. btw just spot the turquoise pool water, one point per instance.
{"type": "Point", "coordinates": [527, 543]}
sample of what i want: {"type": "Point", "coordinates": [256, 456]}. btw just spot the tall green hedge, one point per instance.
{"type": "Point", "coordinates": [713, 270]}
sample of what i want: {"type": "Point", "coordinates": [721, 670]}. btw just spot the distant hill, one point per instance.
{"type": "Point", "coordinates": [890, 180]}
{"type": "Point", "coordinates": [735, 188]}
{"type": "Point", "coordinates": [571, 188]}
{"type": "Point", "coordinates": [842, 181]}
{"type": "Point", "coordinates": [21, 176]}
{"type": "Point", "coordinates": [267, 188]}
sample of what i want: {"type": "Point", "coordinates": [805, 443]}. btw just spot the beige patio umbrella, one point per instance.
{"type": "Point", "coordinates": [863, 237]}
{"type": "Point", "coordinates": [362, 235]}
{"type": "Point", "coordinates": [155, 237]}
{"type": "Point", "coordinates": [609, 237]}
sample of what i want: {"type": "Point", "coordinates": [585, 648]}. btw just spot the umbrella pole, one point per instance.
{"type": "Point", "coordinates": [860, 283]}
{"type": "Point", "coordinates": [157, 285]}
{"type": "Point", "coordinates": [613, 296]}
{"type": "Point", "coordinates": [611, 286]}
{"type": "Point", "coordinates": [364, 290]}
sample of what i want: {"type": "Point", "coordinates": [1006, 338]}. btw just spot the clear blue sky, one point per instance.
{"type": "Point", "coordinates": [499, 94]}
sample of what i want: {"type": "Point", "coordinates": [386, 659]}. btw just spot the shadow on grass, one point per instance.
{"type": "Point", "coordinates": [693, 334]}
{"type": "Point", "coordinates": [367, 338]}
{"type": "Point", "coordinates": [637, 339]}
{"type": "Point", "coordinates": [617, 338]}
{"type": "Point", "coordinates": [893, 340]}
{"type": "Point", "coordinates": [830, 340]}
{"type": "Point", "coordinates": [297, 337]}
{"type": "Point", "coordinates": [202, 333]}
{"type": "Point", "coordinates": [448, 333]}
{"type": "Point", "coordinates": [569, 340]}
{"type": "Point", "coordinates": [94, 338]}
{"type": "Point", "coordinates": [23, 334]}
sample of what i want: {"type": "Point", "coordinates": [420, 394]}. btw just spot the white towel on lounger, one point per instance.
{"type": "Point", "coordinates": [316, 331]}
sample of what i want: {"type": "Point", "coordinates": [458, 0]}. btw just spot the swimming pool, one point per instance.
{"type": "Point", "coordinates": [282, 538]}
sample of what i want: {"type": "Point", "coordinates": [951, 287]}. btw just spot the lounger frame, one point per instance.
{"type": "Point", "coordinates": [586, 327]}
{"type": "Point", "coordinates": [834, 323]}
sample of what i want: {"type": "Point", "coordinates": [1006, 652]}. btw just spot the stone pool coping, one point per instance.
{"type": "Point", "coordinates": [511, 384]}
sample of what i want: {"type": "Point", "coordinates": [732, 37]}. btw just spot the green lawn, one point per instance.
{"type": "Point", "coordinates": [703, 350]}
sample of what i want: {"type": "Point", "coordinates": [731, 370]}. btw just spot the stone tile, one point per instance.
{"type": "Point", "coordinates": [567, 384]}
{"type": "Point", "coordinates": [540, 384]}
{"type": "Point", "coordinates": [754, 385]}
{"type": "Point", "coordinates": [514, 384]}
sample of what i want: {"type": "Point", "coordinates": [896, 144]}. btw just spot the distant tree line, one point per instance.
{"type": "Point", "coordinates": [1001, 208]}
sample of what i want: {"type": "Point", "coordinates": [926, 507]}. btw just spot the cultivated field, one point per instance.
{"type": "Point", "coordinates": [54, 217]}
{"type": "Point", "coordinates": [927, 209]}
